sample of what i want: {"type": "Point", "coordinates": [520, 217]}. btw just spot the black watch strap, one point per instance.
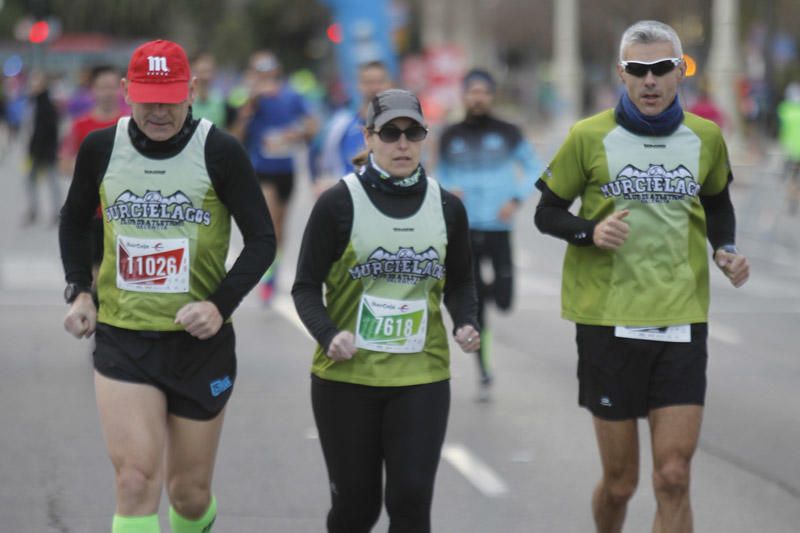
{"type": "Point", "coordinates": [72, 291]}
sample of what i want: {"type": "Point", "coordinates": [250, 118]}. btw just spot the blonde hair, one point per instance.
{"type": "Point", "coordinates": [361, 158]}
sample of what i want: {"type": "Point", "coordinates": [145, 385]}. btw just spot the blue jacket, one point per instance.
{"type": "Point", "coordinates": [334, 148]}
{"type": "Point", "coordinates": [274, 115]}
{"type": "Point", "coordinates": [491, 163]}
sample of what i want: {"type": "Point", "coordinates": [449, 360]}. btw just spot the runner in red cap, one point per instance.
{"type": "Point", "coordinates": [158, 72]}
{"type": "Point", "coordinates": [165, 362]}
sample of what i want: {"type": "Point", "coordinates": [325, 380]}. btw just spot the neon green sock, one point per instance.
{"type": "Point", "coordinates": [486, 346]}
{"type": "Point", "coordinates": [135, 524]}
{"type": "Point", "coordinates": [269, 275]}
{"type": "Point", "coordinates": [202, 525]}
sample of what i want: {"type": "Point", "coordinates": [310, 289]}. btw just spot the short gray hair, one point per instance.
{"type": "Point", "coordinates": [650, 31]}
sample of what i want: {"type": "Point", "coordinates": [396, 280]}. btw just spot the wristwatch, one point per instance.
{"type": "Point", "coordinates": [730, 248]}
{"type": "Point", "coordinates": [72, 290]}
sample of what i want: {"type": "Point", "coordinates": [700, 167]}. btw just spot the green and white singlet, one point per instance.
{"type": "Point", "coordinates": [659, 276]}
{"type": "Point", "coordinates": [166, 234]}
{"type": "Point", "coordinates": [387, 289]}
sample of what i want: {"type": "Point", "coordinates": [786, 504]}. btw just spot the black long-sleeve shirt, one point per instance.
{"type": "Point", "coordinates": [553, 218]}
{"type": "Point", "coordinates": [328, 232]}
{"type": "Point", "coordinates": [232, 177]}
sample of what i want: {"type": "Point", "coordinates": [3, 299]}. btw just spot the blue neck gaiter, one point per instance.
{"type": "Point", "coordinates": [665, 123]}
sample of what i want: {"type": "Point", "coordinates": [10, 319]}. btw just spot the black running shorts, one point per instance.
{"type": "Point", "coordinates": [283, 183]}
{"type": "Point", "coordinates": [196, 376]}
{"type": "Point", "coordinates": [621, 378]}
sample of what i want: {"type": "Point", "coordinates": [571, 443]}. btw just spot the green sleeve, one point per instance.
{"type": "Point", "coordinates": [714, 161]}
{"type": "Point", "coordinates": [565, 175]}
{"type": "Point", "coordinates": [720, 169]}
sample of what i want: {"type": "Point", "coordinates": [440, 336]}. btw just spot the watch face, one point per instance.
{"type": "Point", "coordinates": [72, 291]}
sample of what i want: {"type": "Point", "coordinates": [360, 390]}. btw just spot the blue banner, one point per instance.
{"type": "Point", "coordinates": [366, 29]}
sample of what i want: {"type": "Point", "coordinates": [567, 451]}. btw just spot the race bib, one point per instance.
{"type": "Point", "coordinates": [394, 326]}
{"type": "Point", "coordinates": [682, 333]}
{"type": "Point", "coordinates": [274, 144]}
{"type": "Point", "coordinates": [152, 265]}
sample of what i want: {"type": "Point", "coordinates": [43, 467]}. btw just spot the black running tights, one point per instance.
{"type": "Point", "coordinates": [363, 429]}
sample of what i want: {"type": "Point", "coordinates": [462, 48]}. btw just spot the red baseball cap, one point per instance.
{"type": "Point", "coordinates": [158, 73]}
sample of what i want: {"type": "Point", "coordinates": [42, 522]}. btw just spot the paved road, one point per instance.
{"type": "Point", "coordinates": [525, 462]}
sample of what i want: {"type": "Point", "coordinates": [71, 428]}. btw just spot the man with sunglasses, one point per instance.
{"type": "Point", "coordinates": [487, 163]}
{"type": "Point", "coordinates": [653, 183]}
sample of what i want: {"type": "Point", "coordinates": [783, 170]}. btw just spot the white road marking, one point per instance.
{"type": "Point", "coordinates": [31, 272]}
{"type": "Point", "coordinates": [478, 473]}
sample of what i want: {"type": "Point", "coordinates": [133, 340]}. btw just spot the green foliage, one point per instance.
{"type": "Point", "coordinates": [121, 18]}
{"type": "Point", "coordinates": [11, 13]}
{"type": "Point", "coordinates": [230, 29]}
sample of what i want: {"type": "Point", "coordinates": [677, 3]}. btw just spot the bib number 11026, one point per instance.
{"type": "Point", "coordinates": [153, 265]}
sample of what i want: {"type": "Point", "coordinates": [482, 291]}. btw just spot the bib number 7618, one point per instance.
{"type": "Point", "coordinates": [393, 326]}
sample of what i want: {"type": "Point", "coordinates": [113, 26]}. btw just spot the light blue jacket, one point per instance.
{"type": "Point", "coordinates": [490, 163]}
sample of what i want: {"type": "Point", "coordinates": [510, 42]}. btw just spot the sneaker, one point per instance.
{"type": "Point", "coordinates": [266, 290]}
{"type": "Point", "coordinates": [267, 284]}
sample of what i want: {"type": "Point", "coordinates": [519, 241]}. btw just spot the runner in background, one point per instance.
{"type": "Point", "coordinates": [789, 136]}
{"type": "Point", "coordinates": [273, 125]}
{"type": "Point", "coordinates": [42, 147]}
{"type": "Point", "coordinates": [487, 163]}
{"type": "Point", "coordinates": [342, 136]}
{"type": "Point", "coordinates": [208, 102]}
{"type": "Point", "coordinates": [107, 109]}
{"type": "Point", "coordinates": [705, 107]}
{"type": "Point", "coordinates": [81, 100]}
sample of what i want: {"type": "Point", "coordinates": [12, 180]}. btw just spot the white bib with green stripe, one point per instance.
{"type": "Point", "coordinates": [387, 289]}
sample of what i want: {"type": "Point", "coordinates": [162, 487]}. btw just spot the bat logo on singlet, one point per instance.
{"type": "Point", "coordinates": [654, 185]}
{"type": "Point", "coordinates": [404, 266]}
{"type": "Point", "coordinates": [155, 211]}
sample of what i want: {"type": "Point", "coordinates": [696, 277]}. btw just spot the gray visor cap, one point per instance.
{"type": "Point", "coordinates": [391, 104]}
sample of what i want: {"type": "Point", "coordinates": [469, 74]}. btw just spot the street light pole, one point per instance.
{"type": "Point", "coordinates": [724, 62]}
{"type": "Point", "coordinates": [567, 62]}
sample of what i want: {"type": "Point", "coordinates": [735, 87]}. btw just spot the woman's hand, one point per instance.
{"type": "Point", "coordinates": [468, 338]}
{"type": "Point", "coordinates": [342, 347]}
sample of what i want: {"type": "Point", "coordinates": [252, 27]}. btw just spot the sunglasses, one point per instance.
{"type": "Point", "coordinates": [390, 134]}
{"type": "Point", "coordinates": [658, 67]}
